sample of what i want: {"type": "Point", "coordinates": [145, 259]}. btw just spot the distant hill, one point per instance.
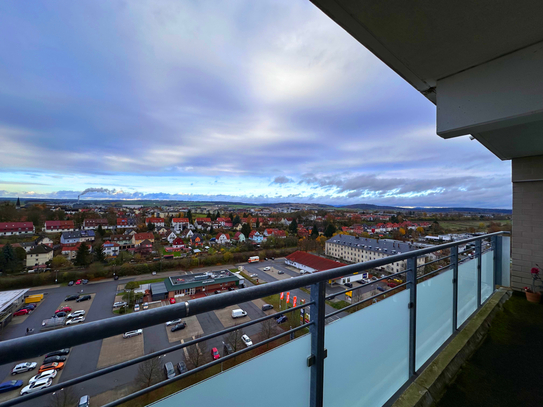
{"type": "Point", "coordinates": [431, 209]}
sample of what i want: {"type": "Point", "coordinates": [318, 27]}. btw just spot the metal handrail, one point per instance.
{"type": "Point", "coordinates": [331, 296]}
{"type": "Point", "coordinates": [22, 348]}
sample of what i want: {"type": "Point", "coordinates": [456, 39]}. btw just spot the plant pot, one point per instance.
{"type": "Point", "coordinates": [533, 297]}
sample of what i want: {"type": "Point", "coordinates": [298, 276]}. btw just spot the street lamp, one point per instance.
{"type": "Point", "coordinates": [56, 276]}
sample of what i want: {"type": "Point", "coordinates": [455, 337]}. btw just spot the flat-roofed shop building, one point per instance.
{"type": "Point", "coordinates": [194, 284]}
{"type": "Point", "coordinates": [360, 249]}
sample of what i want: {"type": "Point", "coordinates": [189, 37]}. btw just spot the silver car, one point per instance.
{"type": "Point", "coordinates": [130, 334]}
{"type": "Point", "coordinates": [23, 367]}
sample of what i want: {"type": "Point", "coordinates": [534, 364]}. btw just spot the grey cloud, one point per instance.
{"type": "Point", "coordinates": [281, 180]}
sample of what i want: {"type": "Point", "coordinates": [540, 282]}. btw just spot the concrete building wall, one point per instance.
{"type": "Point", "coordinates": [527, 238]}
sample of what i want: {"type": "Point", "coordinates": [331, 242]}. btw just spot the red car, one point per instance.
{"type": "Point", "coordinates": [78, 282]}
{"type": "Point", "coordinates": [392, 284]}
{"type": "Point", "coordinates": [63, 309]}
{"type": "Point", "coordinates": [21, 312]}
{"type": "Point", "coordinates": [215, 354]}
{"type": "Point", "coordinates": [172, 300]}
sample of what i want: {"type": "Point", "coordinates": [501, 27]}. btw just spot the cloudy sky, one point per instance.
{"type": "Point", "coordinates": [254, 101]}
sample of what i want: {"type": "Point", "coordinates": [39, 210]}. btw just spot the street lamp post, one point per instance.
{"type": "Point", "coordinates": [56, 276]}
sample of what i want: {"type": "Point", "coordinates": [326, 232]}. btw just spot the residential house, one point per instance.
{"type": "Point", "coordinates": [256, 236]}
{"type": "Point", "coordinates": [162, 230]}
{"type": "Point", "coordinates": [124, 241]}
{"type": "Point", "coordinates": [239, 237]}
{"type": "Point", "coordinates": [16, 228]}
{"type": "Point", "coordinates": [178, 243]}
{"type": "Point", "coordinates": [180, 223]}
{"type": "Point", "coordinates": [94, 223]}
{"type": "Point", "coordinates": [187, 233]}
{"type": "Point", "coordinates": [197, 239]}
{"type": "Point", "coordinates": [140, 237]}
{"type": "Point", "coordinates": [70, 250]}
{"type": "Point", "coordinates": [171, 237]}
{"type": "Point", "coordinates": [78, 236]}
{"type": "Point", "coordinates": [228, 225]}
{"type": "Point", "coordinates": [203, 222]}
{"type": "Point", "coordinates": [222, 221]}
{"type": "Point", "coordinates": [56, 226]}
{"type": "Point", "coordinates": [130, 232]}
{"type": "Point", "coordinates": [223, 238]}
{"type": "Point", "coordinates": [157, 222]}
{"type": "Point", "coordinates": [124, 223]}
{"type": "Point", "coordinates": [39, 255]}
{"type": "Point", "coordinates": [111, 249]}
{"type": "Point", "coordinates": [43, 239]}
{"type": "Point", "coordinates": [145, 247]}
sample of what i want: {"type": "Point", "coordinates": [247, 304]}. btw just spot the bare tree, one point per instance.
{"type": "Point", "coordinates": [234, 339]}
{"type": "Point", "coordinates": [63, 398]}
{"type": "Point", "coordinates": [268, 329]}
{"type": "Point", "coordinates": [148, 373]}
{"type": "Point", "coordinates": [196, 355]}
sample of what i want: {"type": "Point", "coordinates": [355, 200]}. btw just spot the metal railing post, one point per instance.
{"type": "Point", "coordinates": [454, 265]}
{"type": "Point", "coordinates": [478, 254]}
{"type": "Point", "coordinates": [498, 253]}
{"type": "Point", "coordinates": [412, 285]}
{"type": "Point", "coordinates": [318, 353]}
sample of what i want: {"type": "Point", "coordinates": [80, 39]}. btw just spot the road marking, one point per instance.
{"type": "Point", "coordinates": [185, 350]}
{"type": "Point", "coordinates": [197, 346]}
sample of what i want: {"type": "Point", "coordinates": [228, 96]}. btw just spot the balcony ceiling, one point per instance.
{"type": "Point", "coordinates": [429, 41]}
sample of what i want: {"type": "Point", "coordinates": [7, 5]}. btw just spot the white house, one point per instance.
{"type": "Point", "coordinates": [171, 237]}
{"type": "Point", "coordinates": [223, 238]}
{"type": "Point", "coordinates": [111, 249]}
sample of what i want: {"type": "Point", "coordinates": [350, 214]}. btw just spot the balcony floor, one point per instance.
{"type": "Point", "coordinates": [506, 369]}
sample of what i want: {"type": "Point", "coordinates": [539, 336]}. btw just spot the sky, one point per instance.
{"type": "Point", "coordinates": [242, 100]}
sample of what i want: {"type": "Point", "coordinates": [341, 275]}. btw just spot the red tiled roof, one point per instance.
{"type": "Point", "coordinates": [65, 224]}
{"type": "Point", "coordinates": [154, 220]}
{"type": "Point", "coordinates": [315, 262]}
{"type": "Point", "coordinates": [15, 226]}
{"type": "Point", "coordinates": [143, 236]}
{"type": "Point", "coordinates": [180, 220]}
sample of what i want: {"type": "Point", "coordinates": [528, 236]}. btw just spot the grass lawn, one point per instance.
{"type": "Point", "coordinates": [165, 253]}
{"type": "Point", "coordinates": [154, 280]}
{"type": "Point", "coordinates": [463, 226]}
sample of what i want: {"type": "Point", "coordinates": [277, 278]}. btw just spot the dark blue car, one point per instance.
{"type": "Point", "coordinates": [11, 385]}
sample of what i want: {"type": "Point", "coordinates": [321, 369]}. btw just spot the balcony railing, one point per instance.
{"type": "Point", "coordinates": [363, 358]}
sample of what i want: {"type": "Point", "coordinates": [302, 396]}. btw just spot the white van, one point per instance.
{"type": "Point", "coordinates": [238, 313]}
{"type": "Point", "coordinates": [169, 370]}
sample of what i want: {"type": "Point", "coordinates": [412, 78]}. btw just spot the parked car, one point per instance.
{"type": "Point", "coordinates": [267, 307]}
{"type": "Point", "coordinates": [215, 354]}
{"type": "Point", "coordinates": [350, 285]}
{"type": "Point", "coordinates": [130, 334]}
{"type": "Point", "coordinates": [381, 288]}
{"type": "Point", "coordinates": [63, 309]}
{"type": "Point", "coordinates": [10, 385]}
{"type": "Point", "coordinates": [174, 322]}
{"type": "Point", "coordinates": [49, 366]}
{"type": "Point", "coordinates": [21, 312]}
{"type": "Point", "coordinates": [59, 352]}
{"type": "Point", "coordinates": [75, 314]}
{"type": "Point", "coordinates": [119, 304]}
{"type": "Point", "coordinates": [75, 320]}
{"type": "Point", "coordinates": [71, 283]}
{"type": "Point", "coordinates": [71, 297]}
{"type": "Point", "coordinates": [84, 401]}
{"type": "Point", "coordinates": [246, 340]}
{"type": "Point", "coordinates": [254, 275]}
{"type": "Point", "coordinates": [392, 284]}
{"type": "Point", "coordinates": [231, 288]}
{"type": "Point", "coordinates": [266, 268]}
{"type": "Point", "coordinates": [281, 319]}
{"type": "Point", "coordinates": [273, 258]}
{"type": "Point", "coordinates": [227, 348]}
{"type": "Point", "coordinates": [78, 282]}
{"type": "Point", "coordinates": [179, 326]}
{"type": "Point", "coordinates": [38, 385]}
{"type": "Point", "coordinates": [182, 367]}
{"type": "Point", "coordinates": [172, 300]}
{"type": "Point", "coordinates": [23, 367]}
{"type": "Point", "coordinates": [169, 370]}
{"type": "Point", "coordinates": [47, 374]}
{"type": "Point", "coordinates": [84, 281]}
{"type": "Point", "coordinates": [238, 313]}
{"type": "Point", "coordinates": [60, 314]}
{"type": "Point", "coordinates": [84, 298]}
{"type": "Point", "coordinates": [217, 292]}
{"type": "Point", "coordinates": [115, 278]}
{"type": "Point", "coordinates": [145, 305]}
{"type": "Point", "coordinates": [52, 359]}
{"type": "Point", "coordinates": [136, 307]}
{"type": "Point", "coordinates": [280, 272]}
{"type": "Point", "coordinates": [30, 307]}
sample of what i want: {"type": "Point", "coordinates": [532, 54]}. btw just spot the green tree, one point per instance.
{"type": "Point", "coordinates": [131, 286]}
{"type": "Point", "coordinates": [189, 215]}
{"type": "Point", "coordinates": [330, 230]}
{"type": "Point", "coordinates": [236, 220]}
{"type": "Point", "coordinates": [9, 259]}
{"type": "Point", "coordinates": [217, 215]}
{"type": "Point", "coordinates": [99, 253]}
{"type": "Point", "coordinates": [211, 231]}
{"type": "Point", "coordinates": [293, 227]}
{"type": "Point", "coordinates": [231, 216]}
{"type": "Point", "coordinates": [150, 227]}
{"type": "Point", "coordinates": [100, 231]}
{"type": "Point", "coordinates": [59, 262]}
{"type": "Point", "coordinates": [246, 230]}
{"type": "Point", "coordinates": [315, 231]}
{"type": "Point", "coordinates": [257, 222]}
{"type": "Point", "coordinates": [82, 256]}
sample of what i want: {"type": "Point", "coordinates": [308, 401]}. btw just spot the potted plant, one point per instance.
{"type": "Point", "coordinates": [531, 294]}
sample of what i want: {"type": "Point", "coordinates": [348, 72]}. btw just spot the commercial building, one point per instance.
{"type": "Point", "coordinates": [194, 284]}
{"type": "Point", "coordinates": [10, 301]}
{"type": "Point", "coordinates": [16, 228]}
{"type": "Point", "coordinates": [310, 263]}
{"type": "Point", "coordinates": [357, 249]}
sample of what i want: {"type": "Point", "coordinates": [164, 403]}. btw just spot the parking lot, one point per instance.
{"type": "Point", "coordinates": [117, 349]}
{"type": "Point", "coordinates": [225, 316]}
{"type": "Point", "coordinates": [193, 328]}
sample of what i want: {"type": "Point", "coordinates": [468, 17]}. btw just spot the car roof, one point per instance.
{"type": "Point", "coordinates": [41, 381]}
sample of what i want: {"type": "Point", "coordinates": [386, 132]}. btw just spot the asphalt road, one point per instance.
{"type": "Point", "coordinates": [84, 358]}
